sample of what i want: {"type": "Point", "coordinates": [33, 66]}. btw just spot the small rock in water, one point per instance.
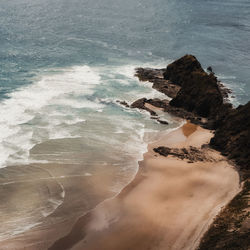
{"type": "Point", "coordinates": [123, 103]}
{"type": "Point", "coordinates": [162, 122]}
{"type": "Point", "coordinates": [210, 69]}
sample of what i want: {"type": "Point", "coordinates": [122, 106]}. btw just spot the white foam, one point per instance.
{"type": "Point", "coordinates": [225, 77]}
{"type": "Point", "coordinates": [51, 108]}
{"type": "Point", "coordinates": [74, 121]}
{"type": "Point", "coordinates": [129, 70]}
{"type": "Point", "coordinates": [237, 88]}
{"type": "Point", "coordinates": [57, 87]}
{"type": "Point", "coordinates": [74, 103]}
{"type": "Point", "coordinates": [21, 229]}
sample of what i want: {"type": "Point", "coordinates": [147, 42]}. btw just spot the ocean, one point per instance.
{"type": "Point", "coordinates": [63, 66]}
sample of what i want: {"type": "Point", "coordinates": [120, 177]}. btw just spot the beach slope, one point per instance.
{"type": "Point", "coordinates": [170, 203]}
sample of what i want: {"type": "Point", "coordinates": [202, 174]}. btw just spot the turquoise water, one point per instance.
{"type": "Point", "coordinates": [63, 65]}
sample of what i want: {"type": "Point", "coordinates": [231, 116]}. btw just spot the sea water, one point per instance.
{"type": "Point", "coordinates": [64, 65]}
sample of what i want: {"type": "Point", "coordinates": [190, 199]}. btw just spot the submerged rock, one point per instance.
{"type": "Point", "coordinates": [210, 69]}
{"type": "Point", "coordinates": [123, 103]}
{"type": "Point", "coordinates": [162, 122]}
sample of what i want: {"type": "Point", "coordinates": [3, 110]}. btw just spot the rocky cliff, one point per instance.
{"type": "Point", "coordinates": [232, 137]}
{"type": "Point", "coordinates": [179, 71]}
{"type": "Point", "coordinates": [202, 99]}
{"type": "Point", "coordinates": [200, 94]}
{"type": "Point", "coordinates": [200, 91]}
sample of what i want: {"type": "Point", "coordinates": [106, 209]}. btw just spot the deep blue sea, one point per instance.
{"type": "Point", "coordinates": [63, 65]}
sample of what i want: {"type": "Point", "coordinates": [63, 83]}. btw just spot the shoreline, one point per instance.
{"type": "Point", "coordinates": [30, 239]}
{"type": "Point", "coordinates": [95, 229]}
{"type": "Point", "coordinates": [182, 185]}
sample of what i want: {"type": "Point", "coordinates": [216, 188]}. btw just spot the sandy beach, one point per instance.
{"type": "Point", "coordinates": [47, 198]}
{"type": "Point", "coordinates": [169, 205]}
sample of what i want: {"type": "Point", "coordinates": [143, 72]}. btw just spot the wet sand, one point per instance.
{"type": "Point", "coordinates": [49, 197]}
{"type": "Point", "coordinates": [169, 205]}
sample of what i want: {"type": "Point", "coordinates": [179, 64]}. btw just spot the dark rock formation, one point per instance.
{"type": "Point", "coordinates": [159, 120]}
{"type": "Point", "coordinates": [200, 92]}
{"type": "Point", "coordinates": [232, 136]}
{"type": "Point", "coordinates": [140, 104]}
{"type": "Point", "coordinates": [179, 71]}
{"type": "Point", "coordinates": [224, 91]}
{"type": "Point", "coordinates": [162, 122]}
{"type": "Point", "coordinates": [210, 69]}
{"type": "Point", "coordinates": [202, 96]}
{"type": "Point", "coordinates": [189, 85]}
{"type": "Point", "coordinates": [166, 87]}
{"type": "Point", "coordinates": [180, 112]}
{"type": "Point", "coordinates": [148, 74]}
{"type": "Point", "coordinates": [164, 104]}
{"type": "Point", "coordinates": [123, 103]}
{"type": "Point", "coordinates": [164, 151]}
{"type": "Point", "coordinates": [158, 102]}
{"type": "Point", "coordinates": [159, 83]}
{"type": "Point", "coordinates": [192, 154]}
{"type": "Point", "coordinates": [230, 229]}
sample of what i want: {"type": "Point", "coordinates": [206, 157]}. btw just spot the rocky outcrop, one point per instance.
{"type": "Point", "coordinates": [200, 92]}
{"type": "Point", "coordinates": [230, 229]}
{"type": "Point", "coordinates": [149, 74]}
{"type": "Point", "coordinates": [201, 99]}
{"type": "Point", "coordinates": [155, 76]}
{"type": "Point", "coordinates": [123, 103]}
{"type": "Point", "coordinates": [164, 105]}
{"type": "Point", "coordinates": [192, 154]}
{"type": "Point", "coordinates": [179, 71]}
{"type": "Point", "coordinates": [164, 151]}
{"type": "Point", "coordinates": [189, 85]}
{"type": "Point", "coordinates": [140, 104]}
{"type": "Point", "coordinates": [162, 121]}
{"type": "Point", "coordinates": [158, 102]}
{"type": "Point", "coordinates": [232, 136]}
